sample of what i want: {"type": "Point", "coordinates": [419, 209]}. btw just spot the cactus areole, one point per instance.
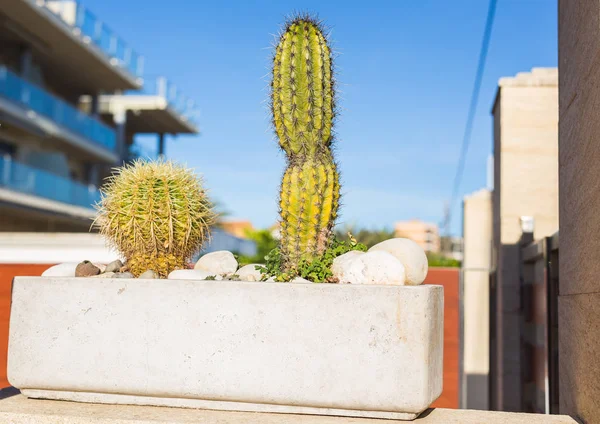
{"type": "Point", "coordinates": [303, 107]}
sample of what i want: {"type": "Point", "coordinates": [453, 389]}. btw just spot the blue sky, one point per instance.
{"type": "Point", "coordinates": [406, 71]}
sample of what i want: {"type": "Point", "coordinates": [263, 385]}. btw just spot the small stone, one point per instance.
{"type": "Point", "coordinates": [270, 280]}
{"type": "Point", "coordinates": [189, 274]}
{"type": "Point", "coordinates": [86, 269]}
{"type": "Point", "coordinates": [149, 274]}
{"type": "Point", "coordinates": [340, 265]}
{"type": "Point", "coordinates": [249, 273]}
{"type": "Point", "coordinates": [410, 254]}
{"type": "Point", "coordinates": [123, 275]}
{"type": "Point", "coordinates": [114, 266]}
{"type": "Point", "coordinates": [300, 280]}
{"type": "Point", "coordinates": [104, 275]}
{"type": "Point", "coordinates": [66, 269]}
{"type": "Point", "coordinates": [101, 267]}
{"type": "Point", "coordinates": [377, 267]}
{"type": "Point", "coordinates": [217, 263]}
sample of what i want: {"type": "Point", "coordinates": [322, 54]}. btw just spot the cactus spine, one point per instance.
{"type": "Point", "coordinates": [303, 107]}
{"type": "Point", "coordinates": [157, 214]}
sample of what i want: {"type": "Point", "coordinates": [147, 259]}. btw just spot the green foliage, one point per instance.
{"type": "Point", "coordinates": [317, 270]}
{"type": "Point", "coordinates": [157, 214]}
{"type": "Point", "coordinates": [437, 260]}
{"type": "Point", "coordinates": [365, 236]}
{"type": "Point", "coordinates": [265, 243]}
{"type": "Point", "coordinates": [303, 108]}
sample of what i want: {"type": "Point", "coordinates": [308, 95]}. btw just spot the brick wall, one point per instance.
{"type": "Point", "coordinates": [449, 278]}
{"type": "Point", "coordinates": [7, 272]}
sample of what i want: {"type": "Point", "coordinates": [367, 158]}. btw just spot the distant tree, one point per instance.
{"type": "Point", "coordinates": [365, 236]}
{"type": "Point", "coordinates": [438, 260]}
{"type": "Point", "coordinates": [265, 242]}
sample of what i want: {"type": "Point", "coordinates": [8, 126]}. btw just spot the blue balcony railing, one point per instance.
{"type": "Point", "coordinates": [59, 111]}
{"type": "Point", "coordinates": [175, 98]}
{"type": "Point", "coordinates": [25, 179]}
{"type": "Point", "coordinates": [76, 15]}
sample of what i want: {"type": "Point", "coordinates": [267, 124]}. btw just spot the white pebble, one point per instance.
{"type": "Point", "coordinates": [217, 263]}
{"type": "Point", "coordinates": [410, 254]}
{"type": "Point", "coordinates": [373, 268]}
{"type": "Point", "coordinates": [249, 273]}
{"type": "Point", "coordinates": [66, 269]}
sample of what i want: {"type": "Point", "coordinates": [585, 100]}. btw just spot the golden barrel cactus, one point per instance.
{"type": "Point", "coordinates": [157, 214]}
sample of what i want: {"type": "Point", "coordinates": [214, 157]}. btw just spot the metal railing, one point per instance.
{"type": "Point", "coordinates": [539, 323]}
{"type": "Point", "coordinates": [40, 101]}
{"type": "Point", "coordinates": [176, 100]}
{"type": "Point", "coordinates": [93, 30]}
{"type": "Point", "coordinates": [25, 179]}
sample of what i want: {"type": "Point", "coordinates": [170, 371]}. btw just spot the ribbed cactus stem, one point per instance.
{"type": "Point", "coordinates": [302, 90]}
{"type": "Point", "coordinates": [309, 201]}
{"type": "Point", "coordinates": [303, 111]}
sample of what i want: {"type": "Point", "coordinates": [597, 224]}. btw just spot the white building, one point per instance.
{"type": "Point", "coordinates": [64, 122]}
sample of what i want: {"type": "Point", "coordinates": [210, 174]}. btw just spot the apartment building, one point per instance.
{"type": "Point", "coordinates": [72, 99]}
{"type": "Point", "coordinates": [425, 234]}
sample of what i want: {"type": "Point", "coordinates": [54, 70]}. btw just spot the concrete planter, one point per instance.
{"type": "Point", "coordinates": [351, 350]}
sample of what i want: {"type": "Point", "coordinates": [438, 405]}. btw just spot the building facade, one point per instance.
{"type": "Point", "coordinates": [525, 114]}
{"type": "Point", "coordinates": [425, 234]}
{"type": "Point", "coordinates": [64, 120]}
{"type": "Point", "coordinates": [477, 234]}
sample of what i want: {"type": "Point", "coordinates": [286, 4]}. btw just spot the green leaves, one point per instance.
{"type": "Point", "coordinates": [317, 270]}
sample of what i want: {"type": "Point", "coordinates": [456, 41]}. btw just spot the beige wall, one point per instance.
{"type": "Point", "coordinates": [525, 184]}
{"type": "Point", "coordinates": [425, 234]}
{"type": "Point", "coordinates": [579, 284]}
{"type": "Point", "coordinates": [477, 233]}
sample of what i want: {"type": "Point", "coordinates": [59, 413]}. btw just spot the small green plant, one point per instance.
{"type": "Point", "coordinates": [157, 214]}
{"type": "Point", "coordinates": [317, 270]}
{"type": "Point", "coordinates": [303, 109]}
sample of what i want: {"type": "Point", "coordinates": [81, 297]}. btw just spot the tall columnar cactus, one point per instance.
{"type": "Point", "coordinates": [157, 214]}
{"type": "Point", "coordinates": [303, 106]}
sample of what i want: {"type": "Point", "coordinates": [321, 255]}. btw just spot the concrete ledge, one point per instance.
{"type": "Point", "coordinates": [17, 409]}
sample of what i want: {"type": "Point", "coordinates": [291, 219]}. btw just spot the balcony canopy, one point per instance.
{"type": "Point", "coordinates": [73, 43]}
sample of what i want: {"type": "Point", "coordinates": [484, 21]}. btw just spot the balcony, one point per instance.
{"type": "Point", "coordinates": [72, 42]}
{"type": "Point", "coordinates": [93, 30]}
{"type": "Point", "coordinates": [75, 126]}
{"type": "Point", "coordinates": [27, 180]}
{"type": "Point", "coordinates": [160, 108]}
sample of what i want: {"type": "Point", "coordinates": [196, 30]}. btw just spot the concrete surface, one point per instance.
{"type": "Point", "coordinates": [302, 348]}
{"type": "Point", "coordinates": [579, 317]}
{"type": "Point", "coordinates": [20, 410]}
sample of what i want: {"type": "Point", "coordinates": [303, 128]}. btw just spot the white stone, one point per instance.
{"type": "Point", "coordinates": [101, 267]}
{"type": "Point", "coordinates": [410, 254]}
{"type": "Point", "coordinates": [66, 269]}
{"type": "Point", "coordinates": [188, 274]}
{"type": "Point", "coordinates": [217, 263]}
{"type": "Point", "coordinates": [249, 273]}
{"type": "Point", "coordinates": [301, 280]}
{"type": "Point", "coordinates": [340, 265]}
{"type": "Point", "coordinates": [374, 268]}
{"type": "Point", "coordinates": [235, 345]}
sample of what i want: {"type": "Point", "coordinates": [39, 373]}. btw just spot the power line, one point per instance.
{"type": "Point", "coordinates": [471, 115]}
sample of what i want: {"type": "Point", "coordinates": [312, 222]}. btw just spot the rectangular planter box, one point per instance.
{"type": "Point", "coordinates": [350, 350]}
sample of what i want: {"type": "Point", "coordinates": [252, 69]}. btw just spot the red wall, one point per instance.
{"type": "Point", "coordinates": [7, 272]}
{"type": "Point", "coordinates": [447, 277]}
